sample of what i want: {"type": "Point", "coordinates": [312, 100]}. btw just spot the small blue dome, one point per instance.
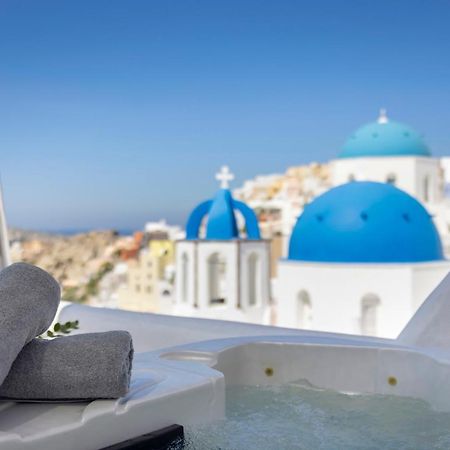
{"type": "Point", "coordinates": [221, 215]}
{"type": "Point", "coordinates": [221, 219]}
{"type": "Point", "coordinates": [384, 138]}
{"type": "Point", "coordinates": [365, 222]}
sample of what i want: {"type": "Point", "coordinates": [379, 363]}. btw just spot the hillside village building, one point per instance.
{"type": "Point", "coordinates": [150, 274]}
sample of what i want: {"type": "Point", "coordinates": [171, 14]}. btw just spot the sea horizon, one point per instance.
{"type": "Point", "coordinates": [75, 231]}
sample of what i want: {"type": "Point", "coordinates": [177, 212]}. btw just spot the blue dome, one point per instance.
{"type": "Point", "coordinates": [365, 222]}
{"type": "Point", "coordinates": [384, 138]}
{"type": "Point", "coordinates": [221, 215]}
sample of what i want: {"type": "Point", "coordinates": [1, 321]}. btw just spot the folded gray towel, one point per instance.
{"type": "Point", "coordinates": [29, 299]}
{"type": "Point", "coordinates": [79, 367]}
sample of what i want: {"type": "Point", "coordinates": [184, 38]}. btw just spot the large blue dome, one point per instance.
{"type": "Point", "coordinates": [384, 138]}
{"type": "Point", "coordinates": [365, 222]}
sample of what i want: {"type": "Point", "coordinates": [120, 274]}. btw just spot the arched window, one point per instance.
{"type": "Point", "coordinates": [253, 279]}
{"type": "Point", "coordinates": [217, 271]}
{"type": "Point", "coordinates": [426, 189]}
{"type": "Point", "coordinates": [369, 312]}
{"type": "Point", "coordinates": [304, 310]}
{"type": "Point", "coordinates": [184, 277]}
{"type": "Point", "coordinates": [391, 178]}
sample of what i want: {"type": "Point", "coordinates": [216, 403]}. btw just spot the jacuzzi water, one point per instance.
{"type": "Point", "coordinates": [295, 417]}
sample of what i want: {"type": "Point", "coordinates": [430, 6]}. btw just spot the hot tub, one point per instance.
{"type": "Point", "coordinates": [249, 386]}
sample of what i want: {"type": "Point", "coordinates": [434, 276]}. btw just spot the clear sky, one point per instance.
{"type": "Point", "coordinates": [117, 112]}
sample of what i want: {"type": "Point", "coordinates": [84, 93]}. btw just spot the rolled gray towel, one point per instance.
{"type": "Point", "coordinates": [29, 299]}
{"type": "Point", "coordinates": [79, 367]}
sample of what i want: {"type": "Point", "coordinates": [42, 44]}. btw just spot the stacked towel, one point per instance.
{"type": "Point", "coordinates": [29, 299]}
{"type": "Point", "coordinates": [80, 367]}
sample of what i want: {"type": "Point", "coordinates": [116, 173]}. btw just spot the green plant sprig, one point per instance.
{"type": "Point", "coordinates": [60, 329]}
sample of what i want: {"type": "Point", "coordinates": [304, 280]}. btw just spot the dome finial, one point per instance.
{"type": "Point", "coordinates": [224, 176]}
{"type": "Point", "coordinates": [383, 118]}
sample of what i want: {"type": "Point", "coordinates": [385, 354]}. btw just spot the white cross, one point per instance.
{"type": "Point", "coordinates": [383, 118]}
{"type": "Point", "coordinates": [224, 176]}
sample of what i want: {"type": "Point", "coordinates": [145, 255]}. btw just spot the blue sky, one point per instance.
{"type": "Point", "coordinates": [117, 112]}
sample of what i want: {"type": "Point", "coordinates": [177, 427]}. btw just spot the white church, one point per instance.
{"type": "Point", "coordinates": [361, 257]}
{"type": "Point", "coordinates": [223, 265]}
{"type": "Point", "coordinates": [391, 152]}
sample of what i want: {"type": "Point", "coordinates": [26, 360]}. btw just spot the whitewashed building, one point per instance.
{"type": "Point", "coordinates": [390, 152]}
{"type": "Point", "coordinates": [362, 257]}
{"type": "Point", "coordinates": [224, 274]}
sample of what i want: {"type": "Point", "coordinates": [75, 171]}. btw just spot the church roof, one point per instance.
{"type": "Point", "coordinates": [220, 213]}
{"type": "Point", "coordinates": [365, 222]}
{"type": "Point", "coordinates": [384, 138]}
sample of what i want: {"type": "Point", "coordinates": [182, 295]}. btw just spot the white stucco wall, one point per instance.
{"type": "Point", "coordinates": [425, 279]}
{"type": "Point", "coordinates": [336, 292]}
{"type": "Point", "coordinates": [235, 254]}
{"type": "Point", "coordinates": [262, 250]}
{"type": "Point", "coordinates": [409, 173]}
{"type": "Point", "coordinates": [189, 249]}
